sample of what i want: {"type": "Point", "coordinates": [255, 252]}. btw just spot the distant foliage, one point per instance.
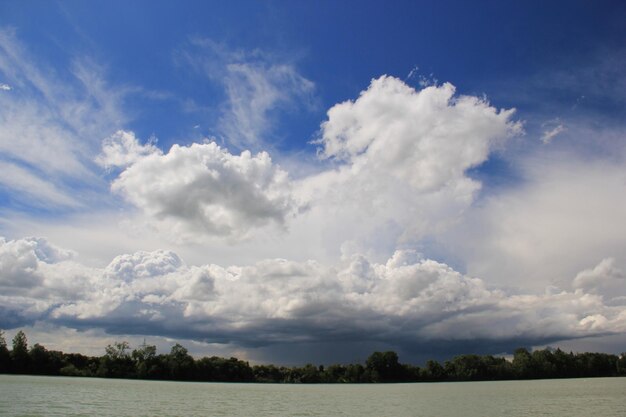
{"type": "Point", "coordinates": [119, 361]}
{"type": "Point", "coordinates": [20, 360]}
{"type": "Point", "coordinates": [5, 356]}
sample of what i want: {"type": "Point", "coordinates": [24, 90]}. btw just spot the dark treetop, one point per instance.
{"type": "Point", "coordinates": [119, 361]}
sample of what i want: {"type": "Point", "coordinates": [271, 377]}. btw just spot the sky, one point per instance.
{"type": "Point", "coordinates": [295, 182]}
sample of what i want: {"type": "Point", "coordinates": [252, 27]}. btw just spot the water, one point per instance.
{"type": "Point", "coordinates": [63, 396]}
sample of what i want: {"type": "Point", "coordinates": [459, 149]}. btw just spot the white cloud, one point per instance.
{"type": "Point", "coordinates": [201, 189]}
{"type": "Point", "coordinates": [253, 92]}
{"type": "Point", "coordinates": [396, 176]}
{"type": "Point", "coordinates": [408, 182]}
{"type": "Point", "coordinates": [18, 263]}
{"type": "Point", "coordinates": [50, 129]}
{"type": "Point", "coordinates": [36, 274]}
{"type": "Point", "coordinates": [32, 189]}
{"type": "Point", "coordinates": [5, 87]}
{"type": "Point", "coordinates": [123, 149]}
{"type": "Point", "coordinates": [406, 299]}
{"type": "Point", "coordinates": [603, 275]}
{"type": "Point", "coordinates": [256, 84]}
{"type": "Point", "coordinates": [426, 138]}
{"type": "Point", "coordinates": [143, 264]}
{"type": "Point", "coordinates": [550, 134]}
{"type": "Point", "coordinates": [565, 215]}
{"type": "Point", "coordinates": [401, 158]}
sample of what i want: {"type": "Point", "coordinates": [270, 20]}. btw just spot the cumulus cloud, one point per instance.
{"type": "Point", "coordinates": [407, 300]}
{"type": "Point", "coordinates": [601, 277]}
{"type": "Point", "coordinates": [201, 189]}
{"type": "Point", "coordinates": [18, 263]}
{"type": "Point", "coordinates": [34, 276]}
{"type": "Point", "coordinates": [123, 149]}
{"type": "Point", "coordinates": [426, 138]}
{"type": "Point", "coordinates": [5, 87]}
{"type": "Point", "coordinates": [399, 160]}
{"type": "Point", "coordinates": [398, 173]}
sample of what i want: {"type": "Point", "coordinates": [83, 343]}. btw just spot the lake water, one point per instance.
{"type": "Point", "coordinates": [64, 396]}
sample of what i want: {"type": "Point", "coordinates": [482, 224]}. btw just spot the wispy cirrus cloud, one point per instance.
{"type": "Point", "coordinates": [29, 188]}
{"type": "Point", "coordinates": [551, 131]}
{"type": "Point", "coordinates": [50, 128]}
{"type": "Point", "coordinates": [255, 84]}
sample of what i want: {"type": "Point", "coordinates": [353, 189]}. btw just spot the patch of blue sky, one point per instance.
{"type": "Point", "coordinates": [543, 49]}
{"type": "Point", "coordinates": [340, 46]}
{"type": "Point", "coordinates": [495, 174]}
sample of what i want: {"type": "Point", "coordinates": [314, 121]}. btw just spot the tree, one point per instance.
{"type": "Point", "coordinates": [523, 364]}
{"type": "Point", "coordinates": [473, 367]}
{"type": "Point", "coordinates": [144, 353]}
{"type": "Point", "coordinates": [262, 373]}
{"type": "Point", "coordinates": [311, 374]}
{"type": "Point", "coordinates": [116, 362]}
{"type": "Point", "coordinates": [39, 359]}
{"type": "Point", "coordinates": [355, 373]}
{"type": "Point", "coordinates": [20, 344]}
{"type": "Point", "coordinates": [336, 373]}
{"type": "Point", "coordinates": [118, 350]}
{"type": "Point", "coordinates": [5, 356]}
{"type": "Point", "coordinates": [145, 361]}
{"type": "Point", "coordinates": [180, 363]}
{"type": "Point", "coordinates": [597, 364]}
{"type": "Point", "coordinates": [543, 364]}
{"type": "Point", "coordinates": [621, 364]}
{"type": "Point", "coordinates": [466, 368]}
{"type": "Point", "coordinates": [564, 363]}
{"type": "Point", "coordinates": [385, 367]}
{"type": "Point", "coordinates": [433, 371]}
{"type": "Point", "coordinates": [19, 354]}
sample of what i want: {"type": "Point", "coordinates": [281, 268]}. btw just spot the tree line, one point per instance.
{"type": "Point", "coordinates": [143, 362]}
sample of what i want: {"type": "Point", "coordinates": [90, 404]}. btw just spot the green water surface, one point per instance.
{"type": "Point", "coordinates": [64, 396]}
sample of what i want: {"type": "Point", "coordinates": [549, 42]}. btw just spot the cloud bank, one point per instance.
{"type": "Point", "coordinates": [408, 300]}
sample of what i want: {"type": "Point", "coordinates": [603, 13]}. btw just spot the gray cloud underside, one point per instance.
{"type": "Point", "coordinates": [409, 302]}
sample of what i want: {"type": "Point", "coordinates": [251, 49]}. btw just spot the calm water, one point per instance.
{"type": "Point", "coordinates": [58, 396]}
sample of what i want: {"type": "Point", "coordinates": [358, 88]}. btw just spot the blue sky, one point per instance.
{"type": "Point", "coordinates": [339, 46]}
{"type": "Point", "coordinates": [308, 181]}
